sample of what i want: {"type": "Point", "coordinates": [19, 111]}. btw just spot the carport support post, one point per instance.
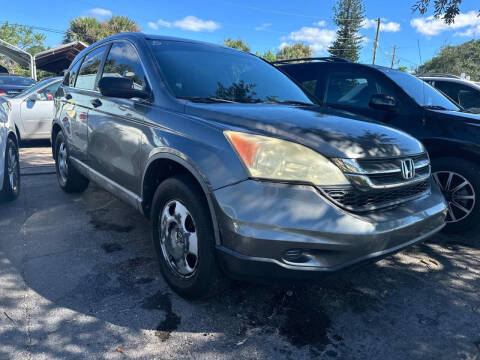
{"type": "Point", "coordinates": [33, 68]}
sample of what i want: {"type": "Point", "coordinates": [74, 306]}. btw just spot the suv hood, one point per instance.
{"type": "Point", "coordinates": [333, 133]}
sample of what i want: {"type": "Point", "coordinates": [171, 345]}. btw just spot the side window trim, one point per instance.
{"type": "Point", "coordinates": [147, 77]}
{"type": "Point", "coordinates": [107, 48]}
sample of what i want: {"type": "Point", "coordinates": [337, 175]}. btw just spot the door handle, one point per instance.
{"type": "Point", "coordinates": [96, 102]}
{"type": "Point", "coordinates": [68, 96]}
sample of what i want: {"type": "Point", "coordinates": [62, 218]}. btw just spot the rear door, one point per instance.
{"type": "Point", "coordinates": [115, 126]}
{"type": "Point", "coordinates": [83, 89]}
{"type": "Point", "coordinates": [37, 111]}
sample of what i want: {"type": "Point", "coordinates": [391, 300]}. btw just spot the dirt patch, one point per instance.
{"type": "Point", "coordinates": [101, 220]}
{"type": "Point", "coordinates": [161, 301]}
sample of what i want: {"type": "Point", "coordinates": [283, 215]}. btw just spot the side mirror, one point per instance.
{"type": "Point", "coordinates": [34, 97]}
{"type": "Point", "coordinates": [383, 102]}
{"type": "Point", "coordinates": [120, 87]}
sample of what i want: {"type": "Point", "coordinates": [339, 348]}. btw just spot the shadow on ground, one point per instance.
{"type": "Point", "coordinates": [80, 277]}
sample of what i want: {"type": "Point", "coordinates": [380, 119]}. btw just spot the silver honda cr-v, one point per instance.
{"type": "Point", "coordinates": [239, 171]}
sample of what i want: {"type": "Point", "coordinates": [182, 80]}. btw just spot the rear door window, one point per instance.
{"type": "Point", "coordinates": [87, 76]}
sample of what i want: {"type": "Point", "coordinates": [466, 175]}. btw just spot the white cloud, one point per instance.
{"type": "Point", "coordinates": [386, 26]}
{"type": "Point", "coordinates": [100, 13]}
{"type": "Point", "coordinates": [263, 27]}
{"type": "Point", "coordinates": [193, 23]}
{"type": "Point", "coordinates": [431, 26]}
{"type": "Point", "coordinates": [321, 23]}
{"type": "Point", "coordinates": [318, 39]}
{"type": "Point", "coordinates": [158, 23]}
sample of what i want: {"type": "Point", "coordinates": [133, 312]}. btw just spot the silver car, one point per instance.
{"type": "Point", "coordinates": [9, 159]}
{"type": "Point", "coordinates": [33, 110]}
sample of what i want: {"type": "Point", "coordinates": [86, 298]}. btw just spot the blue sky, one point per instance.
{"type": "Point", "coordinates": [264, 25]}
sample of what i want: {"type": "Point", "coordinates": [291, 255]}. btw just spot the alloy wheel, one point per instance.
{"type": "Point", "coordinates": [62, 162]}
{"type": "Point", "coordinates": [13, 168]}
{"type": "Point", "coordinates": [178, 239]}
{"type": "Point", "coordinates": [458, 192]}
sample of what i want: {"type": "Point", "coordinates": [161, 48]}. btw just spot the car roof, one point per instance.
{"type": "Point", "coordinates": [449, 79]}
{"type": "Point", "coordinates": [135, 36]}
{"type": "Point", "coordinates": [330, 61]}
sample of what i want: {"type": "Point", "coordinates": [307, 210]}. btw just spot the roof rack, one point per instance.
{"type": "Point", "coordinates": [328, 59]}
{"type": "Point", "coordinates": [450, 76]}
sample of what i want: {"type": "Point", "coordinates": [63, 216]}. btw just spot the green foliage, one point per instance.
{"type": "Point", "coordinates": [238, 44]}
{"type": "Point", "coordinates": [24, 38]}
{"type": "Point", "coordinates": [445, 9]}
{"type": "Point", "coordinates": [268, 55]}
{"type": "Point", "coordinates": [456, 60]}
{"type": "Point", "coordinates": [349, 16]}
{"type": "Point", "coordinates": [403, 68]}
{"type": "Point", "coordinates": [89, 30]}
{"type": "Point", "coordinates": [21, 36]}
{"type": "Point", "coordinates": [295, 51]}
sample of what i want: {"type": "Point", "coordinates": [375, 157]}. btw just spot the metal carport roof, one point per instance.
{"type": "Point", "coordinates": [18, 55]}
{"type": "Point", "coordinates": [58, 59]}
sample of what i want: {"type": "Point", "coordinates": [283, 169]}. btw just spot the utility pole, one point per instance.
{"type": "Point", "coordinates": [376, 41]}
{"type": "Point", "coordinates": [393, 56]}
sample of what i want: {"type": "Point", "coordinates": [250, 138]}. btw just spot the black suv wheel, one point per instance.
{"type": "Point", "coordinates": [459, 181]}
{"type": "Point", "coordinates": [183, 238]}
{"type": "Point", "coordinates": [11, 174]}
{"type": "Point", "coordinates": [69, 179]}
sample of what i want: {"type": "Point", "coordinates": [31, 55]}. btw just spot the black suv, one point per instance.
{"type": "Point", "coordinates": [393, 97]}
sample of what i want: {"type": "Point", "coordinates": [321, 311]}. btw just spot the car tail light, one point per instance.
{"type": "Point", "coordinates": [2, 92]}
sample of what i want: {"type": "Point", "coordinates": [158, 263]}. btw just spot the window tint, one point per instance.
{"type": "Point", "coordinates": [310, 86]}
{"type": "Point", "coordinates": [72, 75]}
{"type": "Point", "coordinates": [421, 92]}
{"type": "Point", "coordinates": [206, 71]}
{"type": "Point", "coordinates": [87, 75]}
{"type": "Point", "coordinates": [48, 93]}
{"type": "Point", "coordinates": [466, 96]}
{"type": "Point", "coordinates": [123, 61]}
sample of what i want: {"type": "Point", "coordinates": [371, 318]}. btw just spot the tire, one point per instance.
{"type": "Point", "coordinates": [190, 275]}
{"type": "Point", "coordinates": [461, 192]}
{"type": "Point", "coordinates": [69, 179]}
{"type": "Point", "coordinates": [11, 174]}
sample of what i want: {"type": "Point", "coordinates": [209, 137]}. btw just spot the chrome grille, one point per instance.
{"type": "Point", "coordinates": [377, 183]}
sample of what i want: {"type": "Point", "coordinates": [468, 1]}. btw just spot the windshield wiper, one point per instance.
{"type": "Point", "coordinates": [434, 107]}
{"type": "Point", "coordinates": [206, 99]}
{"type": "Point", "coordinates": [291, 102]}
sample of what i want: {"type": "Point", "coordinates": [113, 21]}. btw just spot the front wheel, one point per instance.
{"type": "Point", "coordinates": [459, 181]}
{"type": "Point", "coordinates": [11, 174]}
{"type": "Point", "coordinates": [183, 238]}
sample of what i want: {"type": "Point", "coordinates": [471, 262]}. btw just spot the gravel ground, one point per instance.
{"type": "Point", "coordinates": [79, 279]}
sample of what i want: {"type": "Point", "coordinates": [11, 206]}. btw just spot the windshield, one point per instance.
{"type": "Point", "coordinates": [424, 94]}
{"type": "Point", "coordinates": [16, 80]}
{"type": "Point", "coordinates": [204, 72]}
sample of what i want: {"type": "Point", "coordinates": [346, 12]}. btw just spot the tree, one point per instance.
{"type": "Point", "coordinates": [268, 55]}
{"type": "Point", "coordinates": [403, 68]}
{"type": "Point", "coordinates": [463, 58]}
{"type": "Point", "coordinates": [295, 51]}
{"type": "Point", "coordinates": [238, 44]}
{"type": "Point", "coordinates": [349, 16]}
{"type": "Point", "coordinates": [24, 38]}
{"type": "Point", "coordinates": [89, 30]}
{"type": "Point", "coordinates": [444, 9]}
{"type": "Point", "coordinates": [21, 36]}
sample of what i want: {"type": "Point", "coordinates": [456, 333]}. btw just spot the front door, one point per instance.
{"type": "Point", "coordinates": [116, 125]}
{"type": "Point", "coordinates": [37, 112]}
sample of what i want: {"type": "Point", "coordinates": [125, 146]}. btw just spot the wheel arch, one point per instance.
{"type": "Point", "coordinates": [438, 148]}
{"type": "Point", "coordinates": [55, 130]}
{"type": "Point", "coordinates": [165, 164]}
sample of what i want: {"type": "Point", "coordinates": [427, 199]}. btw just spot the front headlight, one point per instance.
{"type": "Point", "coordinates": [275, 159]}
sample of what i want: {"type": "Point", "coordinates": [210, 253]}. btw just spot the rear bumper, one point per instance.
{"type": "Point", "coordinates": [263, 224]}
